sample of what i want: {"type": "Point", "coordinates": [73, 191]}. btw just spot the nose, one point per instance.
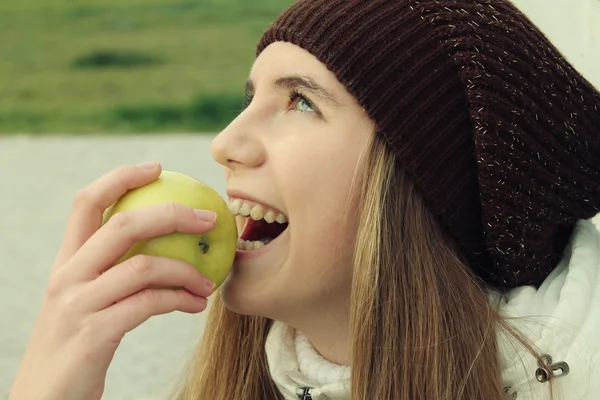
{"type": "Point", "coordinates": [239, 145]}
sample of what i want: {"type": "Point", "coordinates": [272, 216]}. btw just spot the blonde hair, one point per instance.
{"type": "Point", "coordinates": [421, 323]}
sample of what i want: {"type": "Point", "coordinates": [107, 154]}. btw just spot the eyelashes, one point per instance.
{"type": "Point", "coordinates": [247, 100]}
{"type": "Point", "coordinates": [294, 96]}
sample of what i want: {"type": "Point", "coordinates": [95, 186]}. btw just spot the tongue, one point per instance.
{"type": "Point", "coordinates": [257, 230]}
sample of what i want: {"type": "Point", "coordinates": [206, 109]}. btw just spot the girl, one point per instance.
{"type": "Point", "coordinates": [432, 167]}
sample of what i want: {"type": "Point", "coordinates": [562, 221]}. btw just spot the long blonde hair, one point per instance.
{"type": "Point", "coordinates": [421, 323]}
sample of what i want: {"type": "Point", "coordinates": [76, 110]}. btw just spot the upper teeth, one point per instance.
{"type": "Point", "coordinates": [255, 211]}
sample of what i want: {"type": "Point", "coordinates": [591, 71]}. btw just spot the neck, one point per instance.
{"type": "Point", "coordinates": [328, 332]}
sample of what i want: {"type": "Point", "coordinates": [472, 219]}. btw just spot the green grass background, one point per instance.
{"type": "Point", "coordinates": [180, 65]}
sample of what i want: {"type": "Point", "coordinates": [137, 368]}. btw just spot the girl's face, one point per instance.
{"type": "Point", "coordinates": [292, 155]}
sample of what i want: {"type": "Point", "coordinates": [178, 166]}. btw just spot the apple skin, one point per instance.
{"type": "Point", "coordinates": [213, 253]}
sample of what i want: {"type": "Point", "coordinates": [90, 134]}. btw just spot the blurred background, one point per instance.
{"type": "Point", "coordinates": [119, 66]}
{"type": "Point", "coordinates": [80, 66]}
{"type": "Point", "coordinates": [87, 85]}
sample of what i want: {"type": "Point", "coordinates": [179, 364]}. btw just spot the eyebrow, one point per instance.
{"type": "Point", "coordinates": [301, 82]}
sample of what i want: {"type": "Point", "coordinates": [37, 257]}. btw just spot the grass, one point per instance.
{"type": "Point", "coordinates": [89, 66]}
{"type": "Point", "coordinates": [99, 59]}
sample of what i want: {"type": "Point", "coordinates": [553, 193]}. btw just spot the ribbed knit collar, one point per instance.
{"type": "Point", "coordinates": [313, 366]}
{"type": "Point", "coordinates": [295, 365]}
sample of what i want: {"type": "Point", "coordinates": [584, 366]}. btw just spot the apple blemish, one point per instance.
{"type": "Point", "coordinates": [203, 245]}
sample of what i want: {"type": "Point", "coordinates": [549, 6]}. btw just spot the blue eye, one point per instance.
{"type": "Point", "coordinates": [302, 104]}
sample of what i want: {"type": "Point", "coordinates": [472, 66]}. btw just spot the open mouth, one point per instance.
{"type": "Point", "coordinates": [261, 225]}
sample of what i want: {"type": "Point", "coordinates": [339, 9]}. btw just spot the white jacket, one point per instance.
{"type": "Point", "coordinates": [563, 321]}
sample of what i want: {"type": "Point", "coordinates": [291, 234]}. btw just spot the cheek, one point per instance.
{"type": "Point", "coordinates": [316, 175]}
{"type": "Point", "coordinates": [322, 200]}
{"type": "Point", "coordinates": [324, 256]}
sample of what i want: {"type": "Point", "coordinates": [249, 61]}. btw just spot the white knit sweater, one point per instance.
{"type": "Point", "coordinates": [313, 366]}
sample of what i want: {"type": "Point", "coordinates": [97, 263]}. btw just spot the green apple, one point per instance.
{"type": "Point", "coordinates": [212, 254]}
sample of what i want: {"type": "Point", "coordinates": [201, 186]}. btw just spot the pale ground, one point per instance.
{"type": "Point", "coordinates": [41, 176]}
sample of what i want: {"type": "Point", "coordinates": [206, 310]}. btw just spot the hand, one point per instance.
{"type": "Point", "coordinates": [88, 306]}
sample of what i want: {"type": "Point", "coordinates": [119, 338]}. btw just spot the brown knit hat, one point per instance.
{"type": "Point", "coordinates": [496, 128]}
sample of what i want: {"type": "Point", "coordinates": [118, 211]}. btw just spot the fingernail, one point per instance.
{"type": "Point", "coordinates": [202, 300]}
{"type": "Point", "coordinates": [209, 284]}
{"type": "Point", "coordinates": [148, 165]}
{"type": "Point", "coordinates": [204, 215]}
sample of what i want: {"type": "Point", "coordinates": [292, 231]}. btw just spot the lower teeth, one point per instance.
{"type": "Point", "coordinates": [252, 244]}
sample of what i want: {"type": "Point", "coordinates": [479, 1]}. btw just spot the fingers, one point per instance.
{"type": "Point", "coordinates": [114, 239]}
{"type": "Point", "coordinates": [91, 202]}
{"type": "Point", "coordinates": [140, 272]}
{"type": "Point", "coordinates": [138, 308]}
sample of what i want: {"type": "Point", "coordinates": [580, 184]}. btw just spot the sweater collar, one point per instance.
{"type": "Point", "coordinates": [285, 368]}
{"type": "Point", "coordinates": [569, 300]}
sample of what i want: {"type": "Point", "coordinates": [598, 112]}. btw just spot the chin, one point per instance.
{"type": "Point", "coordinates": [241, 299]}
{"type": "Point", "coordinates": [233, 299]}
{"type": "Point", "coordinates": [257, 297]}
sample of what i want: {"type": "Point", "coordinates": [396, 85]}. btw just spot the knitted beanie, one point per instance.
{"type": "Point", "coordinates": [498, 131]}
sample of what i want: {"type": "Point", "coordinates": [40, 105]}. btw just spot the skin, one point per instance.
{"type": "Point", "coordinates": [301, 158]}
{"type": "Point", "coordinates": [86, 312]}
{"type": "Point", "coordinates": [296, 157]}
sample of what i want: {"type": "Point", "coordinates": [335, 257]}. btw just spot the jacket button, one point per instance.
{"type": "Point", "coordinates": [548, 370]}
